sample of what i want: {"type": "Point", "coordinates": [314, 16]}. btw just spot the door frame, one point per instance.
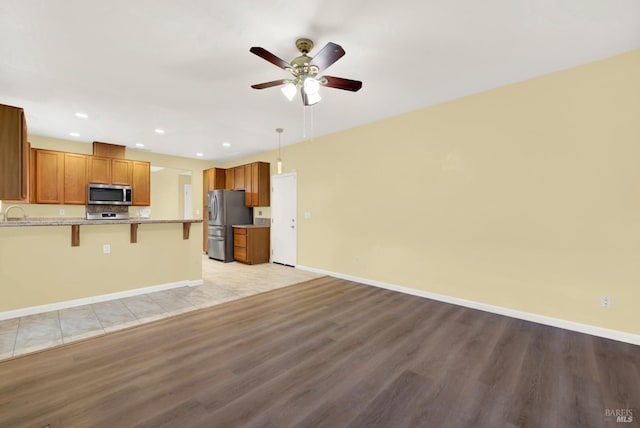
{"type": "Point", "coordinates": [295, 196]}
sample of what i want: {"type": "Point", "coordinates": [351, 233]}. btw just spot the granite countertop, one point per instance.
{"type": "Point", "coordinates": [69, 221]}
{"type": "Point", "coordinates": [251, 226]}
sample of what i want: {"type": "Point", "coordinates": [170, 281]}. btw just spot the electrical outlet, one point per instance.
{"type": "Point", "coordinates": [605, 302]}
{"type": "Point", "coordinates": [307, 215]}
{"type": "Point", "coordinates": [61, 212]}
{"type": "Point", "coordinates": [356, 259]}
{"type": "Point", "coordinates": [106, 248]}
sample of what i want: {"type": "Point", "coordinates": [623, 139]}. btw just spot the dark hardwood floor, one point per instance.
{"type": "Point", "coordinates": [327, 353]}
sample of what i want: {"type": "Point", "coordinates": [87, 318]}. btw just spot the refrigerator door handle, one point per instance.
{"type": "Point", "coordinates": [215, 207]}
{"type": "Point", "coordinates": [208, 207]}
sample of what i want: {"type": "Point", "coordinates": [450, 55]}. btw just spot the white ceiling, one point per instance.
{"type": "Point", "coordinates": [185, 66]}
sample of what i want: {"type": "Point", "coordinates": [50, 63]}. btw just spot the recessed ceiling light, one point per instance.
{"type": "Point", "coordinates": [159, 131]}
{"type": "Point", "coordinates": [199, 154]}
{"type": "Point", "coordinates": [139, 145]}
{"type": "Point", "coordinates": [74, 134]}
{"type": "Point", "coordinates": [82, 115]}
{"type": "Point", "coordinates": [226, 144]}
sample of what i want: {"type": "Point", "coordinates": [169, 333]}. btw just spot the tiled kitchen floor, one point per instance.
{"type": "Point", "coordinates": [222, 282]}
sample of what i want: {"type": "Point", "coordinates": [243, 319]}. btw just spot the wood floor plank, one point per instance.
{"type": "Point", "coordinates": [326, 353]}
{"type": "Point", "coordinates": [349, 398]}
{"type": "Point", "coordinates": [290, 382]}
{"type": "Point", "coordinates": [534, 390]}
{"type": "Point", "coordinates": [343, 377]}
{"type": "Point", "coordinates": [396, 404]}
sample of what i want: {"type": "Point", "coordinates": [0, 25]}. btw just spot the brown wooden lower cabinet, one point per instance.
{"type": "Point", "coordinates": [251, 244]}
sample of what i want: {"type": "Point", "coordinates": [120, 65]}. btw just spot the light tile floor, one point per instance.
{"type": "Point", "coordinates": [222, 282]}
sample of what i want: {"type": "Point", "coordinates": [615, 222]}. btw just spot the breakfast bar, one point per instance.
{"type": "Point", "coordinates": [117, 258]}
{"type": "Point", "coordinates": [76, 222]}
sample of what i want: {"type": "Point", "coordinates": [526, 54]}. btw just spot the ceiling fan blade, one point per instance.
{"type": "Point", "coordinates": [329, 54]}
{"type": "Point", "coordinates": [269, 84]}
{"type": "Point", "coordinates": [268, 56]}
{"type": "Point", "coordinates": [341, 83]}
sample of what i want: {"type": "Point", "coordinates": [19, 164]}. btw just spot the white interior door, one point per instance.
{"type": "Point", "coordinates": [284, 222]}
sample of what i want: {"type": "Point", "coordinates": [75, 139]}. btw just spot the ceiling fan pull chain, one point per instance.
{"type": "Point", "coordinates": [304, 121]}
{"type": "Point", "coordinates": [311, 120]}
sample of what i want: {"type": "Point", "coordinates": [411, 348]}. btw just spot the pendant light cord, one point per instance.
{"type": "Point", "coordinates": [279, 162]}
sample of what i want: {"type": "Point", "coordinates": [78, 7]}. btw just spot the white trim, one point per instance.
{"type": "Point", "coordinates": [621, 336]}
{"type": "Point", "coordinates": [16, 313]}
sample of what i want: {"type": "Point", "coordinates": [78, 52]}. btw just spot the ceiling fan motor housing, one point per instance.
{"type": "Point", "coordinates": [301, 68]}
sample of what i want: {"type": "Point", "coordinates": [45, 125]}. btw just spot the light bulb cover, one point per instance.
{"type": "Point", "coordinates": [279, 164]}
{"type": "Point", "coordinates": [313, 99]}
{"type": "Point", "coordinates": [311, 86]}
{"type": "Point", "coordinates": [289, 90]}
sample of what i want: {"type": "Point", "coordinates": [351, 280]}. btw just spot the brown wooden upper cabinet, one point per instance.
{"type": "Point", "coordinates": [100, 170]}
{"type": "Point", "coordinates": [49, 177]}
{"type": "Point", "coordinates": [59, 177]}
{"type": "Point", "coordinates": [254, 178]}
{"type": "Point", "coordinates": [110, 171]}
{"type": "Point", "coordinates": [141, 183]}
{"type": "Point", "coordinates": [122, 172]}
{"type": "Point", "coordinates": [238, 178]}
{"type": "Point", "coordinates": [229, 175]}
{"type": "Point", "coordinates": [257, 187]}
{"type": "Point", "coordinates": [14, 154]}
{"type": "Point", "coordinates": [248, 200]}
{"type": "Point", "coordinates": [75, 179]}
{"type": "Point", "coordinates": [213, 178]}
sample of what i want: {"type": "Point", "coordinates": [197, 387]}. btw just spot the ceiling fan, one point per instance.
{"type": "Point", "coordinates": [304, 70]}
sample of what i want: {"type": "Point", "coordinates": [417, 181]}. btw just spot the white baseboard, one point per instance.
{"type": "Point", "coordinates": [620, 336]}
{"type": "Point", "coordinates": [16, 313]}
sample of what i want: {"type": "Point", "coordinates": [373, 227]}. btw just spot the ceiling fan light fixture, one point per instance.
{"type": "Point", "coordinates": [289, 90]}
{"type": "Point", "coordinates": [311, 99]}
{"type": "Point", "coordinates": [305, 71]}
{"type": "Point", "coordinates": [311, 86]}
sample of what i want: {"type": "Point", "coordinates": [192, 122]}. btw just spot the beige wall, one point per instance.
{"type": "Point", "coordinates": [38, 265]}
{"type": "Point", "coordinates": [167, 193]}
{"type": "Point", "coordinates": [526, 196]}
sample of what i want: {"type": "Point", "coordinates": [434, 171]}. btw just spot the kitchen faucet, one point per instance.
{"type": "Point", "coordinates": [6, 212]}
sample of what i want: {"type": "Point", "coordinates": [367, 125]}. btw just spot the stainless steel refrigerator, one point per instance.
{"type": "Point", "coordinates": [225, 209]}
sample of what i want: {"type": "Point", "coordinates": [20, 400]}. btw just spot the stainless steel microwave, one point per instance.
{"type": "Point", "coordinates": [109, 194]}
